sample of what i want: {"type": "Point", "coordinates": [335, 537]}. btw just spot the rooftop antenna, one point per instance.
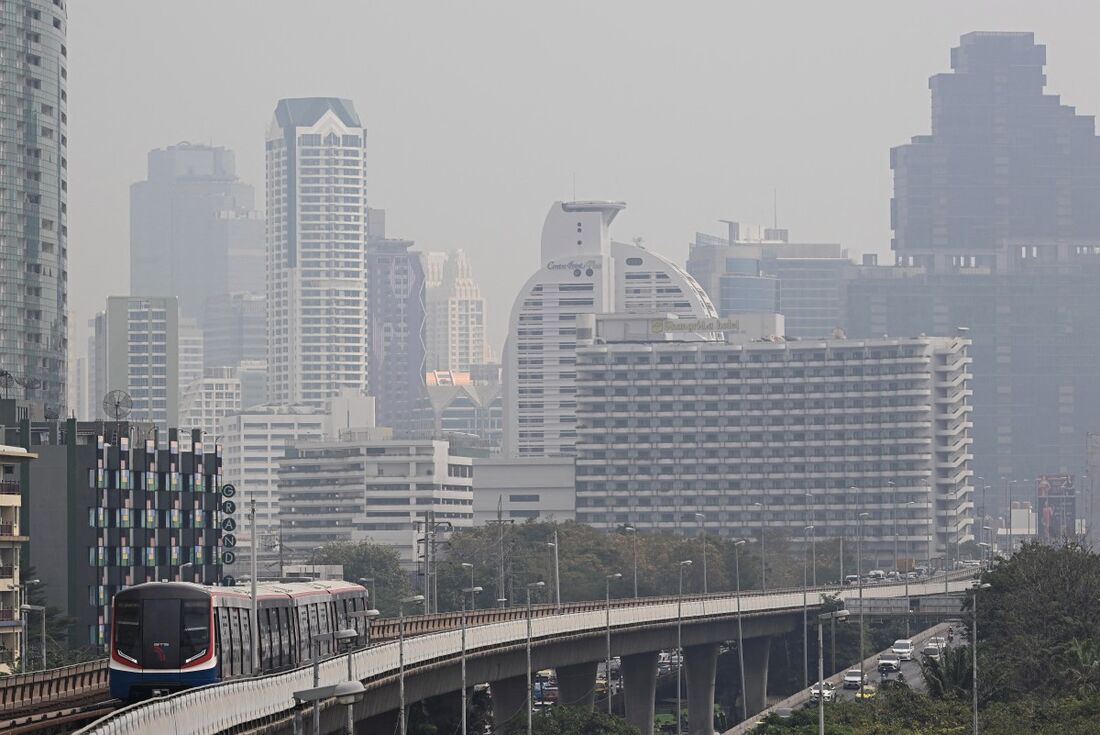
{"type": "Point", "coordinates": [117, 404]}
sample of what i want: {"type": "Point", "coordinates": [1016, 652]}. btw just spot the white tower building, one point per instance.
{"type": "Point", "coordinates": [318, 341]}
{"type": "Point", "coordinates": [455, 326]}
{"type": "Point", "coordinates": [582, 272]}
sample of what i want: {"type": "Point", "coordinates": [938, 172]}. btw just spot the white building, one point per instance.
{"type": "Point", "coordinates": [365, 488]}
{"type": "Point", "coordinates": [454, 330]}
{"type": "Point", "coordinates": [210, 398]}
{"type": "Point", "coordinates": [317, 231]}
{"type": "Point", "coordinates": [776, 434]}
{"type": "Point", "coordinates": [581, 272]}
{"type": "Point", "coordinates": [12, 538]}
{"type": "Point", "coordinates": [190, 353]}
{"type": "Point", "coordinates": [253, 443]}
{"type": "Point", "coordinates": [524, 488]}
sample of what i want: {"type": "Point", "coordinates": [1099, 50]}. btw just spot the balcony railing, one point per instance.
{"type": "Point", "coordinates": [7, 572]}
{"type": "Point", "coordinates": [7, 613]}
{"type": "Point", "coordinates": [8, 487]}
{"type": "Point", "coordinates": [7, 529]}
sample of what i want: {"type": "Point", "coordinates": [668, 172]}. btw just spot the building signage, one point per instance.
{"type": "Point", "coordinates": [667, 326]}
{"type": "Point", "coordinates": [574, 265]}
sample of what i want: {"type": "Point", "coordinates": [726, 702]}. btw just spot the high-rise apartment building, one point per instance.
{"type": "Point", "coordinates": [191, 353]}
{"type": "Point", "coordinates": [758, 270]}
{"type": "Point", "coordinates": [582, 272]}
{"type": "Point", "coordinates": [317, 280]}
{"type": "Point", "coordinates": [207, 400]}
{"type": "Point", "coordinates": [396, 329]}
{"type": "Point", "coordinates": [13, 534]}
{"type": "Point", "coordinates": [136, 345]}
{"type": "Point", "coordinates": [455, 333]}
{"type": "Point", "coordinates": [34, 229]}
{"type": "Point", "coordinates": [194, 230]}
{"type": "Point", "coordinates": [1005, 162]}
{"type": "Point", "coordinates": [758, 433]}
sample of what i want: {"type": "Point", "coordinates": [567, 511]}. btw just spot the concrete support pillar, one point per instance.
{"type": "Point", "coordinates": [700, 665]}
{"type": "Point", "coordinates": [509, 701]}
{"type": "Point", "coordinates": [757, 652]}
{"type": "Point", "coordinates": [577, 685]}
{"type": "Point", "coordinates": [640, 689]}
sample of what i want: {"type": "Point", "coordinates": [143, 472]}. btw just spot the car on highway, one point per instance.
{"type": "Point", "coordinates": [931, 651]}
{"type": "Point", "coordinates": [888, 663]}
{"type": "Point", "coordinates": [851, 580]}
{"type": "Point", "coordinates": [903, 649]}
{"type": "Point", "coordinates": [939, 641]}
{"type": "Point", "coordinates": [853, 678]}
{"type": "Point", "coordinates": [828, 689]}
{"type": "Point", "coordinates": [866, 692]}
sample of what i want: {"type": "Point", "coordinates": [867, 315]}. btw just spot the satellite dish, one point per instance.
{"type": "Point", "coordinates": [117, 404]}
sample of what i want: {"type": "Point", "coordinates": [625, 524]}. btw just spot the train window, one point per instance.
{"type": "Point", "coordinates": [128, 630]}
{"type": "Point", "coordinates": [226, 649]}
{"type": "Point", "coordinates": [195, 641]}
{"type": "Point", "coordinates": [305, 637]}
{"type": "Point", "coordinates": [160, 634]}
{"type": "Point", "coordinates": [265, 637]}
{"type": "Point", "coordinates": [238, 640]}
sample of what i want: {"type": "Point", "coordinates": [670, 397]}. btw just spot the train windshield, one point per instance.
{"type": "Point", "coordinates": [128, 629]}
{"type": "Point", "coordinates": [162, 633]}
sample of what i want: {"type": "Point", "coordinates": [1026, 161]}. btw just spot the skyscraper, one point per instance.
{"type": "Point", "coordinates": [34, 231]}
{"type": "Point", "coordinates": [455, 331]}
{"type": "Point", "coordinates": [396, 330]}
{"type": "Point", "coordinates": [317, 284]}
{"type": "Point", "coordinates": [582, 272]}
{"type": "Point", "coordinates": [1005, 163]}
{"type": "Point", "coordinates": [137, 349]}
{"type": "Point", "coordinates": [194, 231]}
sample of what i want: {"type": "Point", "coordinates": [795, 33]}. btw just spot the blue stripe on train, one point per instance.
{"type": "Point", "coordinates": [122, 682]}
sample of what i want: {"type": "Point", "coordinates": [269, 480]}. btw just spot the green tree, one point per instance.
{"type": "Point", "coordinates": [578, 721]}
{"type": "Point", "coordinates": [950, 676]}
{"type": "Point", "coordinates": [370, 561]}
{"type": "Point", "coordinates": [59, 648]}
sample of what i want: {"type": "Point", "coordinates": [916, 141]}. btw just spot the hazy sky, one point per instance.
{"type": "Point", "coordinates": [480, 114]}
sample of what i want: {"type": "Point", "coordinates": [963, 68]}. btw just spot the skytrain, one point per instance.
{"type": "Point", "coordinates": [167, 636]}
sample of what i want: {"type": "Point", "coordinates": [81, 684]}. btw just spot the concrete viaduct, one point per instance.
{"type": "Point", "coordinates": [571, 642]}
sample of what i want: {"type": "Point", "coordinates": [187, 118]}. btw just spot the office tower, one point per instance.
{"type": "Point", "coordinates": [815, 432]}
{"type": "Point", "coordinates": [13, 533]}
{"type": "Point", "coordinates": [367, 487]}
{"type": "Point", "coordinates": [234, 329]}
{"type": "Point", "coordinates": [581, 272]}
{"type": "Point", "coordinates": [253, 377]}
{"type": "Point", "coordinates": [396, 309]}
{"type": "Point", "coordinates": [33, 203]}
{"type": "Point", "coordinates": [318, 338]}
{"type": "Point", "coordinates": [107, 513]}
{"type": "Point", "coordinates": [758, 270]}
{"type": "Point", "coordinates": [1005, 164]}
{"type": "Point", "coordinates": [454, 405]}
{"type": "Point", "coordinates": [266, 431]}
{"type": "Point", "coordinates": [137, 350]}
{"type": "Point", "coordinates": [209, 399]}
{"type": "Point", "coordinates": [194, 231]}
{"type": "Point", "coordinates": [455, 332]}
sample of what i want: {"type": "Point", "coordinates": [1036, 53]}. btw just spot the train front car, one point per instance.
{"type": "Point", "coordinates": [161, 640]}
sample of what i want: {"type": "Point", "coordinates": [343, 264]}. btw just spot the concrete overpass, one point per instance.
{"type": "Point", "coordinates": [572, 642]}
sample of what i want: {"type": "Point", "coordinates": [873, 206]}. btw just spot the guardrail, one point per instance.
{"type": "Point", "coordinates": [220, 707]}
{"type": "Point", "coordinates": [52, 685]}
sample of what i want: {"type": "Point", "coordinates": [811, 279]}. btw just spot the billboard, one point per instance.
{"type": "Point", "coordinates": [1056, 507]}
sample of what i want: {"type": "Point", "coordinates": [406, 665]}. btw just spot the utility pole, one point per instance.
{"type": "Point", "coordinates": [503, 593]}
{"type": "Point", "coordinates": [254, 617]}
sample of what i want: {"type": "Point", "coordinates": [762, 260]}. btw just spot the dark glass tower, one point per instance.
{"type": "Point", "coordinates": [33, 191]}
{"type": "Point", "coordinates": [1006, 165]}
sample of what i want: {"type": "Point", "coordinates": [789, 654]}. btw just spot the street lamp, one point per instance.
{"type": "Point", "coordinates": [859, 572]}
{"type": "Point", "coordinates": [813, 536]}
{"type": "Point", "coordinates": [974, 649]}
{"type": "Point", "coordinates": [805, 614]}
{"type": "Point", "coordinates": [740, 636]}
{"type": "Point", "coordinates": [472, 592]}
{"type": "Point", "coordinates": [369, 583]}
{"type": "Point", "coordinates": [187, 564]}
{"type": "Point", "coordinates": [679, 644]}
{"type": "Point", "coordinates": [894, 486]}
{"type": "Point", "coordinates": [530, 691]}
{"type": "Point", "coordinates": [414, 600]}
{"type": "Point", "coordinates": [832, 617]}
{"type": "Point", "coordinates": [557, 572]}
{"type": "Point", "coordinates": [763, 565]}
{"type": "Point", "coordinates": [634, 536]}
{"type": "Point", "coordinates": [346, 693]}
{"type": "Point", "coordinates": [703, 530]}
{"type": "Point", "coordinates": [25, 644]}
{"type": "Point", "coordinates": [607, 627]}
{"type": "Point", "coordinates": [346, 638]}
{"type": "Point", "coordinates": [26, 653]}
{"type": "Point", "coordinates": [908, 603]}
